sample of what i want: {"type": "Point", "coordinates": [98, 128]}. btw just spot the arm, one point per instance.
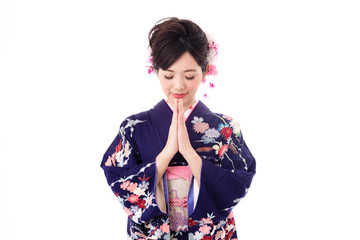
{"type": "Point", "coordinates": [226, 172]}
{"type": "Point", "coordinates": [132, 179]}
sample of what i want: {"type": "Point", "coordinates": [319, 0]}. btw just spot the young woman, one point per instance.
{"type": "Point", "coordinates": [179, 169]}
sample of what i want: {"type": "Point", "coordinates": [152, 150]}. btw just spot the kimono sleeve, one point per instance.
{"type": "Point", "coordinates": [227, 176]}
{"type": "Point", "coordinates": [132, 179]}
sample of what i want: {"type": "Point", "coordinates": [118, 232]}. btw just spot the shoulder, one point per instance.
{"type": "Point", "coordinates": [223, 123]}
{"type": "Point", "coordinates": [228, 121]}
{"type": "Point", "coordinates": [133, 121]}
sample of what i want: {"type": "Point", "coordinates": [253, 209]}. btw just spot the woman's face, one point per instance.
{"type": "Point", "coordinates": [182, 80]}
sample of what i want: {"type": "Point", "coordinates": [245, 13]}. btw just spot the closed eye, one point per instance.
{"type": "Point", "coordinates": [166, 77]}
{"type": "Point", "coordinates": [190, 78]}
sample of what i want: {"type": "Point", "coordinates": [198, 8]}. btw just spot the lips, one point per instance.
{"type": "Point", "coordinates": [179, 95]}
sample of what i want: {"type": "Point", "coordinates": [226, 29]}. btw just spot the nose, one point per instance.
{"type": "Point", "coordinates": [179, 84]}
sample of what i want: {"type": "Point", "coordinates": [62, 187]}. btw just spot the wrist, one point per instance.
{"type": "Point", "coordinates": [166, 153]}
{"type": "Point", "coordinates": [189, 154]}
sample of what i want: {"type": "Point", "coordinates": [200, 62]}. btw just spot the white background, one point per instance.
{"type": "Point", "coordinates": [71, 71]}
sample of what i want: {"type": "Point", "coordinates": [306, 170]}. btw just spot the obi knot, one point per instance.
{"type": "Point", "coordinates": [178, 202]}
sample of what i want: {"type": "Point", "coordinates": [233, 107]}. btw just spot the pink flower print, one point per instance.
{"type": "Point", "coordinates": [132, 187]}
{"type": "Point", "coordinates": [207, 221]}
{"type": "Point", "coordinates": [205, 229]}
{"type": "Point", "coordinates": [127, 211]}
{"type": "Point", "coordinates": [220, 235]}
{"type": "Point", "coordinates": [149, 201]}
{"type": "Point", "coordinates": [133, 198]}
{"type": "Point", "coordinates": [125, 185]}
{"type": "Point", "coordinates": [127, 145]}
{"type": "Point", "coordinates": [111, 160]}
{"type": "Point", "coordinates": [227, 117]}
{"type": "Point", "coordinates": [165, 227]}
{"type": "Point", "coordinates": [200, 127]}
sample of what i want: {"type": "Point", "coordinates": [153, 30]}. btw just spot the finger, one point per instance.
{"type": "Point", "coordinates": [181, 111]}
{"type": "Point", "coordinates": [175, 115]}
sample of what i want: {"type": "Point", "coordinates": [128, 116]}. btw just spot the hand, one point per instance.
{"type": "Point", "coordinates": [184, 144]}
{"type": "Point", "coordinates": [171, 147]}
{"type": "Point", "coordinates": [178, 140]}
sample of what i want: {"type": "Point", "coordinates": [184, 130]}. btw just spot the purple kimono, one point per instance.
{"type": "Point", "coordinates": [226, 173]}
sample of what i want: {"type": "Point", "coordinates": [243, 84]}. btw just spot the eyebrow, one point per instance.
{"type": "Point", "coordinates": [189, 70]}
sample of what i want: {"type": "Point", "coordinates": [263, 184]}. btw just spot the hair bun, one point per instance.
{"type": "Point", "coordinates": [171, 37]}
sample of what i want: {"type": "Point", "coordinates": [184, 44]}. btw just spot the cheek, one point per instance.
{"type": "Point", "coordinates": [193, 85]}
{"type": "Point", "coordinates": [166, 85]}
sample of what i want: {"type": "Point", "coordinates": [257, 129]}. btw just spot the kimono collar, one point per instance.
{"type": "Point", "coordinates": [162, 112]}
{"type": "Point", "coordinates": [188, 111]}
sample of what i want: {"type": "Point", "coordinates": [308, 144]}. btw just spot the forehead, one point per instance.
{"type": "Point", "coordinates": [186, 63]}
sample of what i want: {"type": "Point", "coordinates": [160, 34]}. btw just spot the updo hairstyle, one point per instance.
{"type": "Point", "coordinates": [170, 38]}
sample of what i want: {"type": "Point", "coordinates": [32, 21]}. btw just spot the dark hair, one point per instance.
{"type": "Point", "coordinates": [170, 38]}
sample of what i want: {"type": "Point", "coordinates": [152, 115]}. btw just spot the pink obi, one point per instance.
{"type": "Point", "coordinates": [179, 172]}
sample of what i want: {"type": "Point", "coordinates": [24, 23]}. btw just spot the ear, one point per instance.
{"type": "Point", "coordinates": [206, 72]}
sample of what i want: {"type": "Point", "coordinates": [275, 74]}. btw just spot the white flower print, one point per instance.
{"type": "Point", "coordinates": [198, 235]}
{"type": "Point", "coordinates": [137, 215]}
{"type": "Point", "coordinates": [212, 133]}
{"type": "Point", "coordinates": [144, 185]}
{"type": "Point", "coordinates": [134, 209]}
{"type": "Point", "coordinates": [158, 233]}
{"type": "Point", "coordinates": [197, 119]}
{"type": "Point", "coordinates": [207, 140]}
{"type": "Point", "coordinates": [139, 191]}
{"type": "Point", "coordinates": [235, 126]}
{"type": "Point", "coordinates": [229, 227]}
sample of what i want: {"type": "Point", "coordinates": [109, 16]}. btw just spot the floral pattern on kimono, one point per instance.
{"type": "Point", "coordinates": [227, 169]}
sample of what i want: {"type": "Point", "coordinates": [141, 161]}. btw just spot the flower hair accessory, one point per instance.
{"type": "Point", "coordinates": [211, 59]}
{"type": "Point", "coordinates": [150, 60]}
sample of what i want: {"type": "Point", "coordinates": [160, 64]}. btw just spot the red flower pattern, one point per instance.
{"type": "Point", "coordinates": [226, 132]}
{"type": "Point", "coordinates": [141, 203]}
{"type": "Point", "coordinates": [118, 147]}
{"type": "Point", "coordinates": [223, 149]}
{"type": "Point", "coordinates": [192, 223]}
{"type": "Point", "coordinates": [207, 237]}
